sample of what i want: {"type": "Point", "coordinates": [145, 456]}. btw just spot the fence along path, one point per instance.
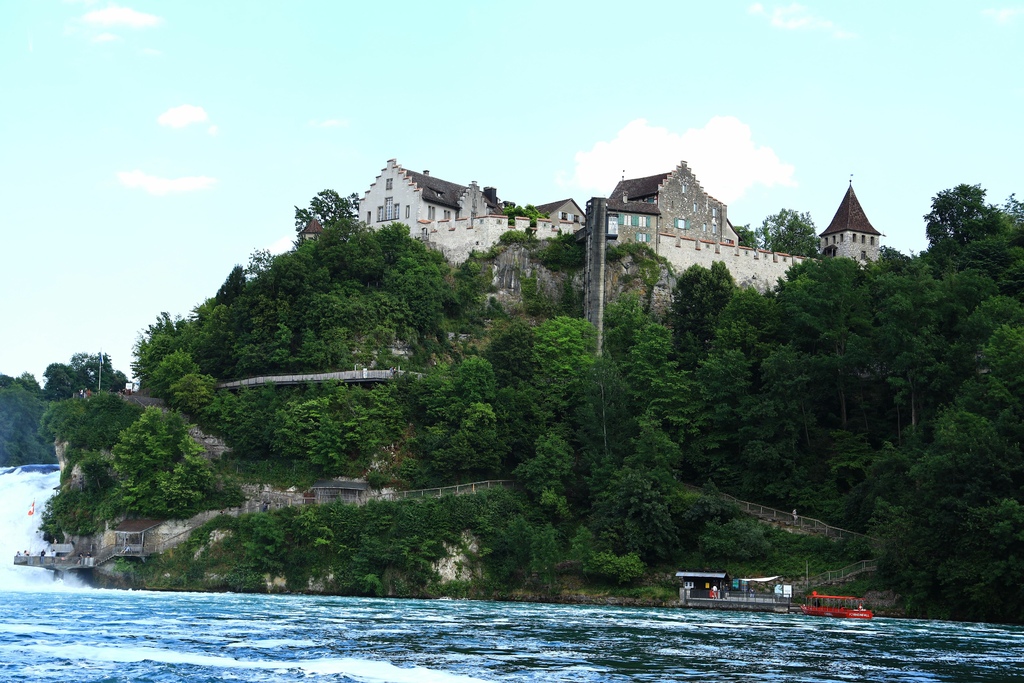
{"type": "Point", "coordinates": [349, 376]}
{"type": "Point", "coordinates": [809, 524]}
{"type": "Point", "coordinates": [457, 490]}
{"type": "Point", "coordinates": [843, 575]}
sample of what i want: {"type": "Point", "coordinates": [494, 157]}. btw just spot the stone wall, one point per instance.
{"type": "Point", "coordinates": [755, 268]}
{"type": "Point", "coordinates": [850, 244]}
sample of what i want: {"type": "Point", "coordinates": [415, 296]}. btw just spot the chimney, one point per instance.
{"type": "Point", "coordinates": [625, 198]}
{"type": "Point", "coordinates": [491, 194]}
{"type": "Point", "coordinates": [426, 172]}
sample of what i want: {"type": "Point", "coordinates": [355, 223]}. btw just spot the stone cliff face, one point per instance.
{"type": "Point", "coordinates": [652, 282]}
{"type": "Point", "coordinates": [516, 263]}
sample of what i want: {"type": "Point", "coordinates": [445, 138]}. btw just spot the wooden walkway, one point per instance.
{"type": "Point", "coordinates": [348, 376]}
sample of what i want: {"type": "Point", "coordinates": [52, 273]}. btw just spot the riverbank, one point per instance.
{"type": "Point", "coordinates": [883, 603]}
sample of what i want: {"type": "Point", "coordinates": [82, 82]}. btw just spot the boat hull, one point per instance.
{"type": "Point", "coordinates": [837, 612]}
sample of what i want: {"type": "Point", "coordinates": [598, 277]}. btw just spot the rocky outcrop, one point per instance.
{"type": "Point", "coordinates": [213, 446]}
{"type": "Point", "coordinates": [649, 279]}
{"type": "Point", "coordinates": [61, 449]}
{"type": "Point", "coordinates": [517, 263]}
{"type": "Point", "coordinates": [459, 563]}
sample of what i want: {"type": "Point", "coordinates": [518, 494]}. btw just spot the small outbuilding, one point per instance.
{"type": "Point", "coordinates": [130, 536]}
{"type": "Point", "coordinates": [703, 584]}
{"type": "Point", "coordinates": [346, 490]}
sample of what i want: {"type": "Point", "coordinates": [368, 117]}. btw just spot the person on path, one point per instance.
{"type": "Point", "coordinates": [794, 515]}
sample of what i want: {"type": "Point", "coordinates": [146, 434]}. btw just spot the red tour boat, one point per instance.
{"type": "Point", "coordinates": [842, 606]}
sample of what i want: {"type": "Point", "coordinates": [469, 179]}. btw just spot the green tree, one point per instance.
{"type": "Point", "coordinates": [21, 408]}
{"type": "Point", "coordinates": [789, 232]}
{"type": "Point", "coordinates": [547, 474]}
{"type": "Point", "coordinates": [825, 304]}
{"type": "Point", "coordinates": [747, 235]}
{"type": "Point", "coordinates": [698, 298]}
{"type": "Point", "coordinates": [961, 215]}
{"type": "Point", "coordinates": [329, 208]}
{"type": "Point", "coordinates": [161, 472]}
{"type": "Point", "coordinates": [84, 371]}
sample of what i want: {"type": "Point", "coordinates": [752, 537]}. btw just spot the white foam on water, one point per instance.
{"type": "Point", "coordinates": [272, 642]}
{"type": "Point", "coordinates": [369, 671]}
{"type": "Point", "coordinates": [22, 490]}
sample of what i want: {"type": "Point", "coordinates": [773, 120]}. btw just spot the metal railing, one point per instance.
{"type": "Point", "coordinates": [457, 490]}
{"type": "Point", "coordinates": [842, 575]}
{"type": "Point", "coordinates": [364, 375]}
{"type": "Point", "coordinates": [788, 518]}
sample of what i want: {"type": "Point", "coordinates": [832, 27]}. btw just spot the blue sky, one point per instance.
{"type": "Point", "coordinates": [147, 147]}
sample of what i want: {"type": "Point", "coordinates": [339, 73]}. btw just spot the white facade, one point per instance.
{"type": "Point", "coordinates": [398, 194]}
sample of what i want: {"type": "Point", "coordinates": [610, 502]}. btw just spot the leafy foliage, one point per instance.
{"type": "Point", "coordinates": [884, 398]}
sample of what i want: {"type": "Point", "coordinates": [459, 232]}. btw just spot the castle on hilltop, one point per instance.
{"type": "Point", "coordinates": [451, 218]}
{"type": "Point", "coordinates": [858, 239]}
{"type": "Point", "coordinates": [669, 212]}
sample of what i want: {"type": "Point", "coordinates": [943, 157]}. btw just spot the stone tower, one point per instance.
{"type": "Point", "coordinates": [850, 233]}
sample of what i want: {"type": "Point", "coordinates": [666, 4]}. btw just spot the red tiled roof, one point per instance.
{"type": "Point", "coordinates": [313, 227]}
{"type": "Point", "coordinates": [850, 216]}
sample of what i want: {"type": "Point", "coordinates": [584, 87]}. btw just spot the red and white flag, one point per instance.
{"type": "Point", "coordinates": [32, 510]}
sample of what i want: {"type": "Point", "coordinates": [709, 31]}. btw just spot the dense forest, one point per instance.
{"type": "Point", "coordinates": [885, 398]}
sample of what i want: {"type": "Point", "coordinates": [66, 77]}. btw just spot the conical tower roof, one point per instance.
{"type": "Point", "coordinates": [850, 216]}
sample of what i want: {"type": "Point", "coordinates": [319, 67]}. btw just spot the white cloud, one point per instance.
{"type": "Point", "coordinates": [796, 17]}
{"type": "Point", "coordinates": [179, 117]}
{"type": "Point", "coordinates": [121, 16]}
{"type": "Point", "coordinates": [330, 123]}
{"type": "Point", "coordinates": [282, 245]}
{"type": "Point", "coordinates": [213, 130]}
{"type": "Point", "coordinates": [1004, 15]}
{"type": "Point", "coordinates": [722, 154]}
{"type": "Point", "coordinates": [161, 186]}
{"type": "Point", "coordinates": [105, 38]}
{"type": "Point", "coordinates": [151, 52]}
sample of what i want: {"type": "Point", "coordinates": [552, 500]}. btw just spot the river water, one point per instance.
{"type": "Point", "coordinates": [56, 632]}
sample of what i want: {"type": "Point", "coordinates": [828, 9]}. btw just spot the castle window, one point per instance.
{"type": "Point", "coordinates": [387, 184]}
{"type": "Point", "coordinates": [380, 214]}
{"type": "Point", "coordinates": [643, 237]}
{"type": "Point", "coordinates": [682, 224]}
{"type": "Point", "coordinates": [390, 210]}
{"type": "Point", "coordinates": [705, 227]}
{"type": "Point", "coordinates": [684, 188]}
{"type": "Point", "coordinates": [406, 210]}
{"type": "Point", "coordinates": [872, 240]}
{"type": "Point", "coordinates": [695, 206]}
{"type": "Point", "coordinates": [862, 239]}
{"type": "Point", "coordinates": [841, 236]}
{"type": "Point", "coordinates": [863, 256]}
{"type": "Point", "coordinates": [714, 212]}
{"type": "Point", "coordinates": [623, 219]}
{"type": "Point", "coordinates": [447, 214]}
{"type": "Point", "coordinates": [369, 217]}
{"type": "Point", "coordinates": [645, 221]}
{"type": "Point", "coordinates": [431, 213]}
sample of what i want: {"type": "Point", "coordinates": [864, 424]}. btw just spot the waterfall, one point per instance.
{"type": "Point", "coordinates": [24, 489]}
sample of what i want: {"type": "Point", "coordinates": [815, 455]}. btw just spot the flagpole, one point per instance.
{"type": "Point", "coordinates": [99, 382]}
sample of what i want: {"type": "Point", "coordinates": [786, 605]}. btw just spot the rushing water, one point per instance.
{"type": "Point", "coordinates": [55, 632]}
